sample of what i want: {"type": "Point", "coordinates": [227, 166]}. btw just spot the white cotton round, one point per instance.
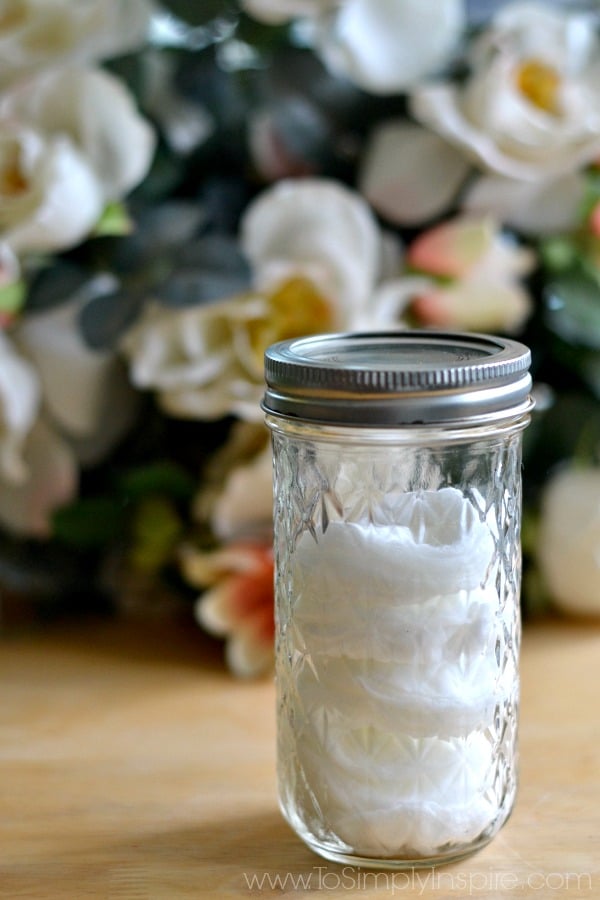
{"type": "Point", "coordinates": [370, 629]}
{"type": "Point", "coordinates": [401, 667]}
{"type": "Point", "coordinates": [386, 791]}
{"type": "Point", "coordinates": [438, 542]}
{"type": "Point", "coordinates": [400, 699]}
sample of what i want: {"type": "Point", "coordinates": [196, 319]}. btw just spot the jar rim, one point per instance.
{"type": "Point", "coordinates": [397, 378]}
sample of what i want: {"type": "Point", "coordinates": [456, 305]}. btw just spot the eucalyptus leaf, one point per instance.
{"type": "Point", "coordinates": [169, 224]}
{"type": "Point", "coordinates": [106, 318]}
{"type": "Point", "coordinates": [55, 285]}
{"type": "Point", "coordinates": [164, 177]}
{"type": "Point", "coordinates": [223, 94]}
{"type": "Point", "coordinates": [209, 269]}
{"type": "Point", "coordinates": [191, 288]}
{"type": "Point", "coordinates": [303, 130]}
{"type": "Point", "coordinates": [572, 311]}
{"type": "Point", "coordinates": [200, 13]}
{"type": "Point", "coordinates": [224, 198]}
{"type": "Point", "coordinates": [159, 231]}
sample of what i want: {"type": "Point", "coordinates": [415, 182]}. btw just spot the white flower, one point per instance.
{"type": "Point", "coordinates": [221, 501]}
{"type": "Point", "coordinates": [568, 549]}
{"type": "Point", "coordinates": [92, 111]}
{"type": "Point", "coordinates": [245, 505]}
{"type": "Point", "coordinates": [19, 404]}
{"type": "Point", "coordinates": [37, 33]}
{"type": "Point", "coordinates": [37, 468]}
{"type": "Point", "coordinates": [206, 362]}
{"type": "Point", "coordinates": [409, 174]}
{"type": "Point", "coordinates": [51, 481]}
{"type": "Point", "coordinates": [532, 207]}
{"type": "Point", "coordinates": [86, 392]}
{"type": "Point", "coordinates": [319, 229]}
{"type": "Point", "coordinates": [70, 142]}
{"type": "Point", "coordinates": [382, 46]}
{"type": "Point", "coordinates": [316, 252]}
{"type": "Point", "coordinates": [50, 198]}
{"type": "Point", "coordinates": [530, 108]}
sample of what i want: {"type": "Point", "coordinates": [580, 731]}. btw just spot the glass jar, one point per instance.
{"type": "Point", "coordinates": [397, 545]}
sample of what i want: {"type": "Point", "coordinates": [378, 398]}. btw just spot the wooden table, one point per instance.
{"type": "Point", "coordinates": [132, 765]}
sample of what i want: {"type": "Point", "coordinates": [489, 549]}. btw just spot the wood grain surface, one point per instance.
{"type": "Point", "coordinates": [132, 765]}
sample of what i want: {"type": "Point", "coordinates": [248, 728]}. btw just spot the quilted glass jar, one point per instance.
{"type": "Point", "coordinates": [397, 467]}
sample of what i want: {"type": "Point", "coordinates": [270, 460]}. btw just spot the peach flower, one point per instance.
{"type": "Point", "coordinates": [481, 269]}
{"type": "Point", "coordinates": [238, 604]}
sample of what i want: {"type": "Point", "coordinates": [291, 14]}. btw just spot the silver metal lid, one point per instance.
{"type": "Point", "coordinates": [400, 378]}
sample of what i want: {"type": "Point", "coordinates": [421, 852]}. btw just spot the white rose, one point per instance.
{"type": "Point", "coordinates": [382, 46]}
{"type": "Point", "coordinates": [245, 505]}
{"type": "Point", "coordinates": [189, 357]}
{"type": "Point", "coordinates": [50, 197]}
{"type": "Point", "coordinates": [51, 481]}
{"type": "Point", "coordinates": [37, 469]}
{"type": "Point", "coordinates": [86, 392]}
{"type": "Point", "coordinates": [532, 207]}
{"type": "Point", "coordinates": [206, 362]}
{"type": "Point", "coordinates": [35, 34]}
{"type": "Point", "coordinates": [530, 108]}
{"type": "Point", "coordinates": [409, 174]}
{"type": "Point", "coordinates": [19, 404]}
{"type": "Point", "coordinates": [93, 111]}
{"type": "Point", "coordinates": [316, 253]}
{"type": "Point", "coordinates": [568, 549]}
{"type": "Point", "coordinates": [318, 229]}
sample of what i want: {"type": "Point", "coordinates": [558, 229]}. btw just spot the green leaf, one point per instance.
{"type": "Point", "coordinates": [158, 478]}
{"type": "Point", "coordinates": [114, 222]}
{"type": "Point", "coordinates": [592, 192]}
{"type": "Point", "coordinates": [12, 299]}
{"type": "Point", "coordinates": [558, 253]}
{"type": "Point", "coordinates": [156, 531]}
{"type": "Point", "coordinates": [89, 523]}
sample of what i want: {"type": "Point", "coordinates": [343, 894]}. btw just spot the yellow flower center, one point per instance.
{"type": "Point", "coordinates": [540, 83]}
{"type": "Point", "coordinates": [12, 180]}
{"type": "Point", "coordinates": [13, 15]}
{"type": "Point", "coordinates": [296, 309]}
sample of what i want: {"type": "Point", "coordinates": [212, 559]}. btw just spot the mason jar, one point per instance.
{"type": "Point", "coordinates": [397, 503]}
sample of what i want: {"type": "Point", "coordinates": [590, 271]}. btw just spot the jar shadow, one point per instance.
{"type": "Point", "coordinates": [239, 855]}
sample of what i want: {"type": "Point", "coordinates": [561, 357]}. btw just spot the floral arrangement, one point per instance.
{"type": "Point", "coordinates": [183, 184]}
